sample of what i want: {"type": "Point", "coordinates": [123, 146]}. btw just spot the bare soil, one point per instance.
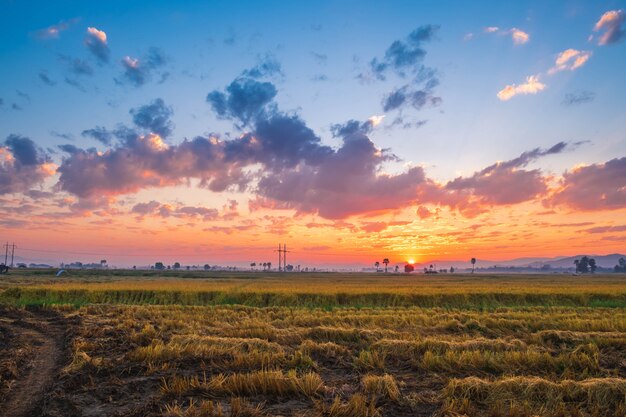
{"type": "Point", "coordinates": [32, 353]}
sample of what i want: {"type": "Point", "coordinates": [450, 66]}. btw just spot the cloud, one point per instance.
{"type": "Point", "coordinates": [76, 66]}
{"type": "Point", "coordinates": [139, 71]}
{"type": "Point", "coordinates": [96, 43]}
{"type": "Point", "coordinates": [405, 95]}
{"type": "Point", "coordinates": [22, 165]}
{"type": "Point", "coordinates": [268, 66]}
{"type": "Point", "coordinates": [576, 98]}
{"type": "Point", "coordinates": [519, 36]}
{"type": "Point", "coordinates": [154, 117]}
{"type": "Point", "coordinates": [593, 187]}
{"type": "Point", "coordinates": [46, 80]}
{"type": "Point", "coordinates": [611, 23]}
{"type": "Point", "coordinates": [143, 161]}
{"type": "Point", "coordinates": [570, 59]}
{"type": "Point", "coordinates": [321, 59]}
{"type": "Point", "coordinates": [404, 54]}
{"type": "Point", "coordinates": [502, 183]}
{"type": "Point", "coordinates": [354, 126]}
{"type": "Point", "coordinates": [53, 31]}
{"type": "Point", "coordinates": [245, 99]}
{"type": "Point", "coordinates": [531, 86]}
{"type": "Point", "coordinates": [606, 229]}
{"type": "Point", "coordinates": [100, 134]}
{"type": "Point", "coordinates": [155, 208]}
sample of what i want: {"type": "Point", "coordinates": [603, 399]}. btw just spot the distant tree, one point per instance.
{"type": "Point", "coordinates": [207, 267]}
{"type": "Point", "coordinates": [376, 264]}
{"type": "Point", "coordinates": [397, 268]}
{"type": "Point", "coordinates": [386, 262]}
{"type": "Point", "coordinates": [582, 265]}
{"type": "Point", "coordinates": [592, 265]}
{"type": "Point", "coordinates": [289, 268]}
{"type": "Point", "coordinates": [473, 261]}
{"type": "Point", "coordinates": [408, 268]}
{"type": "Point", "coordinates": [176, 265]}
{"type": "Point", "coordinates": [253, 265]}
{"type": "Point", "coordinates": [621, 265]}
{"type": "Point", "coordinates": [188, 267]}
{"type": "Point", "coordinates": [452, 270]}
{"type": "Point", "coordinates": [159, 266]}
{"type": "Point", "coordinates": [269, 266]}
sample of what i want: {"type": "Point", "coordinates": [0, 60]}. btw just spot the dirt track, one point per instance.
{"type": "Point", "coordinates": [37, 339]}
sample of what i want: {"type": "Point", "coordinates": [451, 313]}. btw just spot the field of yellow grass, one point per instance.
{"type": "Point", "coordinates": [337, 345]}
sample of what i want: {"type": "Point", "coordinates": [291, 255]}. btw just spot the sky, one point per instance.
{"type": "Point", "coordinates": [352, 131]}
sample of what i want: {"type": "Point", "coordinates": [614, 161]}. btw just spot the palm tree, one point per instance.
{"type": "Point", "coordinates": [376, 264]}
{"type": "Point", "coordinates": [269, 266]}
{"type": "Point", "coordinates": [473, 261]}
{"type": "Point", "coordinates": [386, 262]}
{"type": "Point", "coordinates": [253, 265]}
{"type": "Point", "coordinates": [397, 267]}
{"type": "Point", "coordinates": [264, 266]}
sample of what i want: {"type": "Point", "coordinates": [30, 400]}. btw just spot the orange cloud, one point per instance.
{"type": "Point", "coordinates": [531, 86]}
{"type": "Point", "coordinates": [570, 59]}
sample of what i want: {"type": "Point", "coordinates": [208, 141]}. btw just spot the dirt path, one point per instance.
{"type": "Point", "coordinates": [41, 334]}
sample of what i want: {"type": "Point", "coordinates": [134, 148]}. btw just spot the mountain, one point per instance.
{"type": "Point", "coordinates": [604, 261]}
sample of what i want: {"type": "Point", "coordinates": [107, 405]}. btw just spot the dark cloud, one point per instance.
{"type": "Point", "coordinates": [345, 182]}
{"type": "Point", "coordinates": [66, 136]}
{"type": "Point", "coordinates": [76, 66]}
{"type": "Point", "coordinates": [23, 95]}
{"type": "Point", "coordinates": [245, 100]}
{"type": "Point", "coordinates": [351, 127]}
{"type": "Point", "coordinates": [155, 208]}
{"type": "Point", "coordinates": [321, 59]}
{"type": "Point", "coordinates": [46, 80]}
{"type": "Point", "coordinates": [15, 106]}
{"type": "Point", "coordinates": [138, 71]}
{"type": "Point", "coordinates": [100, 134]}
{"type": "Point", "coordinates": [96, 43]}
{"type": "Point", "coordinates": [319, 77]}
{"type": "Point", "coordinates": [74, 83]}
{"type": "Point", "coordinates": [22, 165]}
{"type": "Point", "coordinates": [154, 117]}
{"type": "Point", "coordinates": [404, 55]}
{"type": "Point", "coordinates": [406, 95]}
{"type": "Point", "coordinates": [593, 187]}
{"type": "Point", "coordinates": [404, 58]}
{"type": "Point", "coordinates": [268, 66]}
{"type": "Point", "coordinates": [580, 97]}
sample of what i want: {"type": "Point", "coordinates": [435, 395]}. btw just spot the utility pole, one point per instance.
{"type": "Point", "coordinates": [282, 257]}
{"type": "Point", "coordinates": [6, 252]}
{"type": "Point", "coordinates": [12, 253]}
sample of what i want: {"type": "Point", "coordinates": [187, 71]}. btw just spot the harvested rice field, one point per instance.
{"type": "Point", "coordinates": [335, 345]}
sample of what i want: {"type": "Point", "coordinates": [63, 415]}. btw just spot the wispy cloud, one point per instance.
{"type": "Point", "coordinates": [570, 59]}
{"type": "Point", "coordinates": [531, 86]}
{"type": "Point", "coordinates": [611, 24]}
{"type": "Point", "coordinates": [54, 31]}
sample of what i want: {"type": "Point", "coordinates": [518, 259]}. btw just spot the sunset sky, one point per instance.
{"type": "Point", "coordinates": [352, 131]}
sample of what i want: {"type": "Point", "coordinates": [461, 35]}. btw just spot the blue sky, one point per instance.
{"type": "Point", "coordinates": [324, 50]}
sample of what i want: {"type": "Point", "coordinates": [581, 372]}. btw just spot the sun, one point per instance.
{"type": "Point", "coordinates": [411, 261]}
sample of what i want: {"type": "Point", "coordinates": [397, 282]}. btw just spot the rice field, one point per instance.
{"type": "Point", "coordinates": [336, 344]}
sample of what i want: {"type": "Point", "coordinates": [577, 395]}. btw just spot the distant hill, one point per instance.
{"type": "Point", "coordinates": [605, 261]}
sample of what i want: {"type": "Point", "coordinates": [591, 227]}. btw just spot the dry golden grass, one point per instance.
{"type": "Point", "coordinates": [484, 353]}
